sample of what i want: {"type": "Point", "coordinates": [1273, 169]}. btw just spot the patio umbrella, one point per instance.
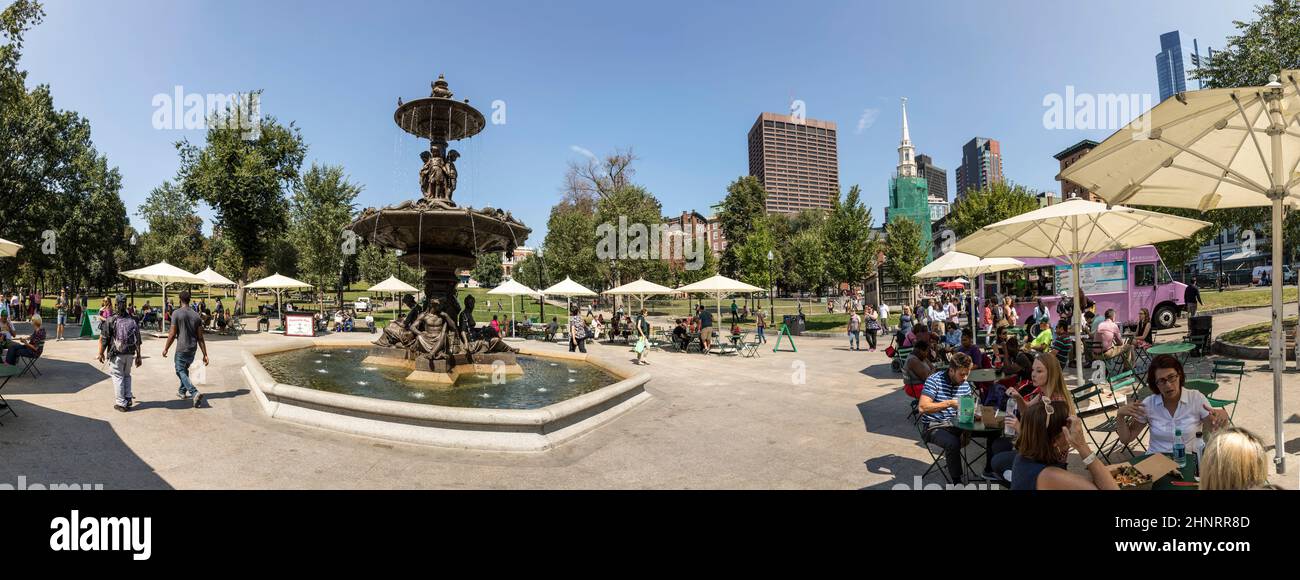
{"type": "Point", "coordinates": [717, 286]}
{"type": "Point", "coordinates": [568, 289]}
{"type": "Point", "coordinates": [9, 249]}
{"type": "Point", "coordinates": [212, 278]}
{"type": "Point", "coordinates": [164, 275]}
{"type": "Point", "coordinates": [962, 264]}
{"type": "Point", "coordinates": [392, 285]}
{"type": "Point", "coordinates": [511, 288]}
{"type": "Point", "coordinates": [640, 289]}
{"type": "Point", "coordinates": [278, 284]}
{"type": "Point", "coordinates": [1211, 149]}
{"type": "Point", "coordinates": [1075, 231]}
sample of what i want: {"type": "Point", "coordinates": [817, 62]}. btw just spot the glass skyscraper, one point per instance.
{"type": "Point", "coordinates": [1169, 65]}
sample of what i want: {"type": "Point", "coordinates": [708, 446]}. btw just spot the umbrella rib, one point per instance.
{"type": "Point", "coordinates": [1220, 179]}
{"type": "Point", "coordinates": [1255, 138]}
{"type": "Point", "coordinates": [1092, 158]}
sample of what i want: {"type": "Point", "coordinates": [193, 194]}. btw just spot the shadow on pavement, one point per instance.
{"type": "Point", "coordinates": [51, 447]}
{"type": "Point", "coordinates": [904, 469]}
{"type": "Point", "coordinates": [178, 403]}
{"type": "Point", "coordinates": [57, 376]}
{"type": "Point", "coordinates": [883, 372]}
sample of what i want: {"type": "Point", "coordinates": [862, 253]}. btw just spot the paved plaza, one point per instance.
{"type": "Point", "coordinates": [820, 418]}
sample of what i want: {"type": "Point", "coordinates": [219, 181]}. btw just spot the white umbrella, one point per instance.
{"type": "Point", "coordinates": [278, 284]}
{"type": "Point", "coordinates": [164, 275]}
{"type": "Point", "coordinates": [9, 249]}
{"type": "Point", "coordinates": [717, 286]}
{"type": "Point", "coordinates": [212, 278]}
{"type": "Point", "coordinates": [568, 289]}
{"type": "Point", "coordinates": [640, 289]}
{"type": "Point", "coordinates": [392, 285]}
{"type": "Point", "coordinates": [511, 288]}
{"type": "Point", "coordinates": [1211, 149]}
{"type": "Point", "coordinates": [1076, 231]}
{"type": "Point", "coordinates": [962, 264]}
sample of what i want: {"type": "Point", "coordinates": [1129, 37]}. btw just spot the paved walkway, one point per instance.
{"type": "Point", "coordinates": [824, 417]}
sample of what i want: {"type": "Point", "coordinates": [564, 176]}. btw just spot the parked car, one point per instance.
{"type": "Point", "coordinates": [1257, 275]}
{"type": "Point", "coordinates": [362, 304]}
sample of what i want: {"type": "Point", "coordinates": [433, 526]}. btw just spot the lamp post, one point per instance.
{"type": "Point", "coordinates": [771, 298]}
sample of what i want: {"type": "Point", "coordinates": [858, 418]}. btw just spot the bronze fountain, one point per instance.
{"type": "Point", "coordinates": [440, 237]}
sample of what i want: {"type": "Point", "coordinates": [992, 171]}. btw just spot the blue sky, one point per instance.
{"type": "Point", "coordinates": [680, 82]}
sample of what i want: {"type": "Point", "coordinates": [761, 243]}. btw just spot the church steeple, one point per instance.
{"type": "Point", "coordinates": [906, 153]}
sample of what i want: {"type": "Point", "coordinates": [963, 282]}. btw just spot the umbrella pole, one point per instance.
{"type": "Point", "coordinates": [1078, 307]}
{"type": "Point", "coordinates": [1277, 354]}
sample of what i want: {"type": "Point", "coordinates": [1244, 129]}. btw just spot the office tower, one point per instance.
{"type": "Point", "coordinates": [796, 161]}
{"type": "Point", "coordinates": [981, 164]}
{"type": "Point", "coordinates": [1169, 65]}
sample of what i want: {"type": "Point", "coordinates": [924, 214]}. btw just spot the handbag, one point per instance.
{"type": "Point", "coordinates": [640, 345]}
{"type": "Point", "coordinates": [890, 351]}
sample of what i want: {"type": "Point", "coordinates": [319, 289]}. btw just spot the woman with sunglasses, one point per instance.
{"type": "Point", "coordinates": [1047, 383]}
{"type": "Point", "coordinates": [1171, 408]}
{"type": "Point", "coordinates": [1048, 433]}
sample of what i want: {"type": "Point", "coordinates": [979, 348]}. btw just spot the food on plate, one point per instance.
{"type": "Point", "coordinates": [1129, 476]}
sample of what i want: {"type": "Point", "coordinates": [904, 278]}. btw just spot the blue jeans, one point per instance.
{"type": "Point", "coordinates": [761, 338]}
{"type": "Point", "coordinates": [855, 339]}
{"type": "Point", "coordinates": [183, 362]}
{"type": "Point", "coordinates": [16, 351]}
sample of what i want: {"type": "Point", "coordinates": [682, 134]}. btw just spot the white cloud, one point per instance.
{"type": "Point", "coordinates": [584, 152]}
{"type": "Point", "coordinates": [867, 119]}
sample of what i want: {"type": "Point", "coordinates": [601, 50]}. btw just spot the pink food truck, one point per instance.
{"type": "Point", "coordinates": [1126, 280]}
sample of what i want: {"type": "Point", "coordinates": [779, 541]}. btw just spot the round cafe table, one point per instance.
{"type": "Point", "coordinates": [977, 430]}
{"type": "Point", "coordinates": [984, 376]}
{"type": "Point", "coordinates": [1180, 350]}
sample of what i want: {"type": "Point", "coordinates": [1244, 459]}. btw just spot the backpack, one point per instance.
{"type": "Point", "coordinates": [124, 336]}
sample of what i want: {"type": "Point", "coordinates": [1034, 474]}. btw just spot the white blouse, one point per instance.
{"type": "Point", "coordinates": [1187, 416]}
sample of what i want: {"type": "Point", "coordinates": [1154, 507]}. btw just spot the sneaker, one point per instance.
{"type": "Point", "coordinates": [120, 408]}
{"type": "Point", "coordinates": [198, 400]}
{"type": "Point", "coordinates": [182, 395]}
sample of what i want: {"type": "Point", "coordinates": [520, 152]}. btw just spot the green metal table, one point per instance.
{"type": "Point", "coordinates": [1179, 350]}
{"type": "Point", "coordinates": [977, 430]}
{"type": "Point", "coordinates": [1170, 482]}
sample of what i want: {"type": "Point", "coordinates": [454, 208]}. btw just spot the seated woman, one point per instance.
{"type": "Point", "coordinates": [1047, 433]}
{"type": "Point", "coordinates": [1172, 408]}
{"type": "Point", "coordinates": [31, 347]}
{"type": "Point", "coordinates": [1142, 339]}
{"type": "Point", "coordinates": [917, 369]}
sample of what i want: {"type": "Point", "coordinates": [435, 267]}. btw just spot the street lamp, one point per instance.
{"type": "Point", "coordinates": [771, 298]}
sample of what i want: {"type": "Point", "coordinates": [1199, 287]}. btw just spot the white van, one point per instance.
{"type": "Point", "coordinates": [1256, 275]}
{"type": "Point", "coordinates": [362, 304]}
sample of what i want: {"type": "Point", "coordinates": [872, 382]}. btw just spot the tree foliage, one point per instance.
{"type": "Point", "coordinates": [487, 271]}
{"type": "Point", "coordinates": [742, 209]}
{"type": "Point", "coordinates": [323, 204]}
{"type": "Point", "coordinates": [993, 203]}
{"type": "Point", "coordinates": [848, 240]}
{"type": "Point", "coordinates": [905, 254]}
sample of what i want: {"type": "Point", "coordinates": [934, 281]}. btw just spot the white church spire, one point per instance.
{"type": "Point", "coordinates": [906, 153]}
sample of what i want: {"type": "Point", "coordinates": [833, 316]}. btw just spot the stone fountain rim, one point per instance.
{"type": "Point", "coordinates": [515, 430]}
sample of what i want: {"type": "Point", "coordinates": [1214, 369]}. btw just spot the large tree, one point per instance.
{"type": "Point", "coordinates": [993, 203]}
{"type": "Point", "coordinates": [61, 197]}
{"type": "Point", "coordinates": [322, 205]}
{"type": "Point", "coordinates": [571, 244]}
{"type": "Point", "coordinates": [905, 253]}
{"type": "Point", "coordinates": [175, 230]}
{"type": "Point", "coordinates": [742, 209]}
{"type": "Point", "coordinates": [630, 217]}
{"type": "Point", "coordinates": [487, 271]}
{"type": "Point", "coordinates": [244, 176]}
{"type": "Point", "coordinates": [849, 242]}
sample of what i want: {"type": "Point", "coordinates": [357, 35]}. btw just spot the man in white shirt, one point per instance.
{"type": "Point", "coordinates": [936, 312]}
{"type": "Point", "coordinates": [884, 317]}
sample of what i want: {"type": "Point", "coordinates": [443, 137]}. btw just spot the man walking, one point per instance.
{"type": "Point", "coordinates": [120, 336]}
{"type": "Point", "coordinates": [187, 332]}
{"type": "Point", "coordinates": [1192, 298]}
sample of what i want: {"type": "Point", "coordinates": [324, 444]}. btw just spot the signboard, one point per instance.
{"type": "Point", "coordinates": [95, 322]}
{"type": "Point", "coordinates": [296, 324]}
{"type": "Point", "coordinates": [1099, 278]}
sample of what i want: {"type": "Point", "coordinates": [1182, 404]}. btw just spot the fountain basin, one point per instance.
{"type": "Point", "coordinates": [489, 429]}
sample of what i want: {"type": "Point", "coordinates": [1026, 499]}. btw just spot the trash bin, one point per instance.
{"type": "Point", "coordinates": [794, 323]}
{"type": "Point", "coordinates": [1200, 327]}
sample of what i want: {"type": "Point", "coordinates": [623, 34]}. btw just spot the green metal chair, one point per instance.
{"type": "Point", "coordinates": [1228, 368]}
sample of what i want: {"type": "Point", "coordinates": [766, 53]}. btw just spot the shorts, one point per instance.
{"type": "Point", "coordinates": [63, 318]}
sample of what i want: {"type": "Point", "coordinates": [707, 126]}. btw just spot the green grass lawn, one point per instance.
{"type": "Point", "coordinates": [1246, 297]}
{"type": "Point", "coordinates": [1252, 335]}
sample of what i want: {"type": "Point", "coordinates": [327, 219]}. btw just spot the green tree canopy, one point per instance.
{"type": "Point", "coordinates": [991, 204]}
{"type": "Point", "coordinates": [744, 206]}
{"type": "Point", "coordinates": [904, 252]}
{"type": "Point", "coordinates": [322, 205]}
{"type": "Point", "coordinates": [848, 241]}
{"type": "Point", "coordinates": [487, 271]}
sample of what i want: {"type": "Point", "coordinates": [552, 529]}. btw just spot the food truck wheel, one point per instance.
{"type": "Point", "coordinates": [1165, 316]}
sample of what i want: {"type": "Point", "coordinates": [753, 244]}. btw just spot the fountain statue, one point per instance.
{"type": "Point", "coordinates": [439, 237]}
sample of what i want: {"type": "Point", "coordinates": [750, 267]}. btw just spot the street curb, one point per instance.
{"type": "Point", "coordinates": [1246, 352]}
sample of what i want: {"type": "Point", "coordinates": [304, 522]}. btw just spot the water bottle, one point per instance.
{"type": "Point", "coordinates": [1007, 428]}
{"type": "Point", "coordinates": [1180, 449]}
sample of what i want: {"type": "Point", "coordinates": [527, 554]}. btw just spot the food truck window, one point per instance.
{"type": "Point", "coordinates": [1145, 274]}
{"type": "Point", "coordinates": [1163, 273]}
